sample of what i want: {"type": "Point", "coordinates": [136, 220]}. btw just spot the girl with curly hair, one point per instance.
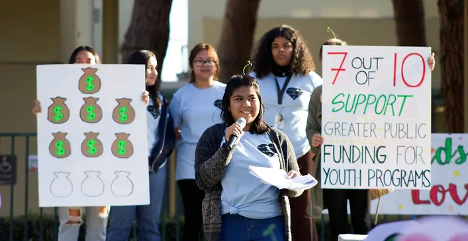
{"type": "Point", "coordinates": [285, 70]}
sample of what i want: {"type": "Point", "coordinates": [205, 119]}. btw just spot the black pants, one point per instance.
{"type": "Point", "coordinates": [303, 226]}
{"type": "Point", "coordinates": [359, 203]}
{"type": "Point", "coordinates": [192, 198]}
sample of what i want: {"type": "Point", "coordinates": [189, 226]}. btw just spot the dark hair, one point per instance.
{"type": "Point", "coordinates": [332, 41]}
{"type": "Point", "coordinates": [237, 81]}
{"type": "Point", "coordinates": [142, 57]}
{"type": "Point", "coordinates": [301, 61]}
{"type": "Point", "coordinates": [84, 48]}
{"type": "Point", "coordinates": [211, 52]}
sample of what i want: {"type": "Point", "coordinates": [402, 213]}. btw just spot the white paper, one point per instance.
{"type": "Point", "coordinates": [278, 178]}
{"type": "Point", "coordinates": [449, 191]}
{"type": "Point", "coordinates": [72, 176]}
{"type": "Point", "coordinates": [376, 117]}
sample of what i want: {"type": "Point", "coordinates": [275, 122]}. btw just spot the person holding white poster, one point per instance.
{"type": "Point", "coordinates": [194, 108]}
{"type": "Point", "coordinates": [71, 218]}
{"type": "Point", "coordinates": [335, 200]}
{"type": "Point", "coordinates": [285, 71]}
{"type": "Point", "coordinates": [161, 142]}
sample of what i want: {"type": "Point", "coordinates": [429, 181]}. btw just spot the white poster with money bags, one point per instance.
{"type": "Point", "coordinates": [376, 117]}
{"type": "Point", "coordinates": [91, 135]}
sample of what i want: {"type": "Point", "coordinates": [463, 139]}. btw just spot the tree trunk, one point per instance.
{"type": "Point", "coordinates": [411, 30]}
{"type": "Point", "coordinates": [149, 29]}
{"type": "Point", "coordinates": [409, 22]}
{"type": "Point", "coordinates": [451, 62]}
{"type": "Point", "coordinates": [235, 45]}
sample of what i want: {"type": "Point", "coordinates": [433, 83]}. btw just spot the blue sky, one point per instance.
{"type": "Point", "coordinates": [176, 61]}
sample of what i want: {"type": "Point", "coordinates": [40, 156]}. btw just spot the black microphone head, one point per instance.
{"type": "Point", "coordinates": [242, 122]}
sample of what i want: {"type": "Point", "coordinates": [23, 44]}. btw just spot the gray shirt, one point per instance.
{"type": "Point", "coordinates": [314, 126]}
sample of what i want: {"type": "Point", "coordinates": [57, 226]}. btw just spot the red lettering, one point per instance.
{"type": "Point", "coordinates": [341, 65]}
{"type": "Point", "coordinates": [423, 73]}
{"type": "Point", "coordinates": [434, 194]}
{"type": "Point", "coordinates": [453, 192]}
{"type": "Point", "coordinates": [416, 199]}
{"type": "Point", "coordinates": [402, 70]}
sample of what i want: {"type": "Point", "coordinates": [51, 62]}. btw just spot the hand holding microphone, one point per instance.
{"type": "Point", "coordinates": [234, 132]}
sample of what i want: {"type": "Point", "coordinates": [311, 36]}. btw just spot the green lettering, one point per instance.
{"type": "Point", "coordinates": [367, 104]}
{"type": "Point", "coordinates": [404, 100]}
{"type": "Point", "coordinates": [462, 158]}
{"type": "Point", "coordinates": [347, 103]}
{"type": "Point", "coordinates": [390, 102]}
{"type": "Point", "coordinates": [377, 104]}
{"type": "Point", "coordinates": [447, 149]}
{"type": "Point", "coordinates": [359, 102]}
{"type": "Point", "coordinates": [338, 102]}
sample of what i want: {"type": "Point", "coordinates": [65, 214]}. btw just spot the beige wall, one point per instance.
{"type": "Point", "coordinates": [30, 35]}
{"type": "Point", "coordinates": [199, 10]}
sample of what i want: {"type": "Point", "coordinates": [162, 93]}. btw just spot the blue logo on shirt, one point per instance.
{"type": "Point", "coordinates": [219, 104]}
{"type": "Point", "coordinates": [294, 92]}
{"type": "Point", "coordinates": [267, 149]}
{"type": "Point", "coordinates": [155, 112]}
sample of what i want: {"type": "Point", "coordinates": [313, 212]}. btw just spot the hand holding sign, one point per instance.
{"type": "Point", "coordinates": [376, 120]}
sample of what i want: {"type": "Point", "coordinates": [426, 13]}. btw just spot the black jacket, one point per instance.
{"type": "Point", "coordinates": [166, 139]}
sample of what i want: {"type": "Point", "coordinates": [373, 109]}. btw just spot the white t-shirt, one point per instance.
{"type": "Point", "coordinates": [194, 110]}
{"type": "Point", "coordinates": [295, 107]}
{"type": "Point", "coordinates": [243, 193]}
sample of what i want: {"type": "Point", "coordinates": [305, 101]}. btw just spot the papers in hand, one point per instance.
{"type": "Point", "coordinates": [278, 178]}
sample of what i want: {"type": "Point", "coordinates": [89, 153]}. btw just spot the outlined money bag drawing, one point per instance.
{"type": "Point", "coordinates": [91, 112]}
{"type": "Point", "coordinates": [124, 112]}
{"type": "Point", "coordinates": [60, 146]}
{"type": "Point", "coordinates": [122, 186]}
{"type": "Point", "coordinates": [61, 186]}
{"type": "Point", "coordinates": [89, 82]}
{"type": "Point", "coordinates": [91, 146]}
{"type": "Point", "coordinates": [92, 185]}
{"type": "Point", "coordinates": [122, 147]}
{"type": "Point", "coordinates": [58, 112]}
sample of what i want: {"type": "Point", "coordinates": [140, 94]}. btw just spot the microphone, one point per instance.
{"type": "Point", "coordinates": [233, 139]}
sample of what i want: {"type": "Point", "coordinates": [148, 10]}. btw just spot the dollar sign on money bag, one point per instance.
{"type": "Point", "coordinates": [58, 112]}
{"type": "Point", "coordinates": [91, 146]}
{"type": "Point", "coordinates": [91, 112]}
{"type": "Point", "coordinates": [124, 112]}
{"type": "Point", "coordinates": [89, 82]}
{"type": "Point", "coordinates": [122, 147]}
{"type": "Point", "coordinates": [60, 147]}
